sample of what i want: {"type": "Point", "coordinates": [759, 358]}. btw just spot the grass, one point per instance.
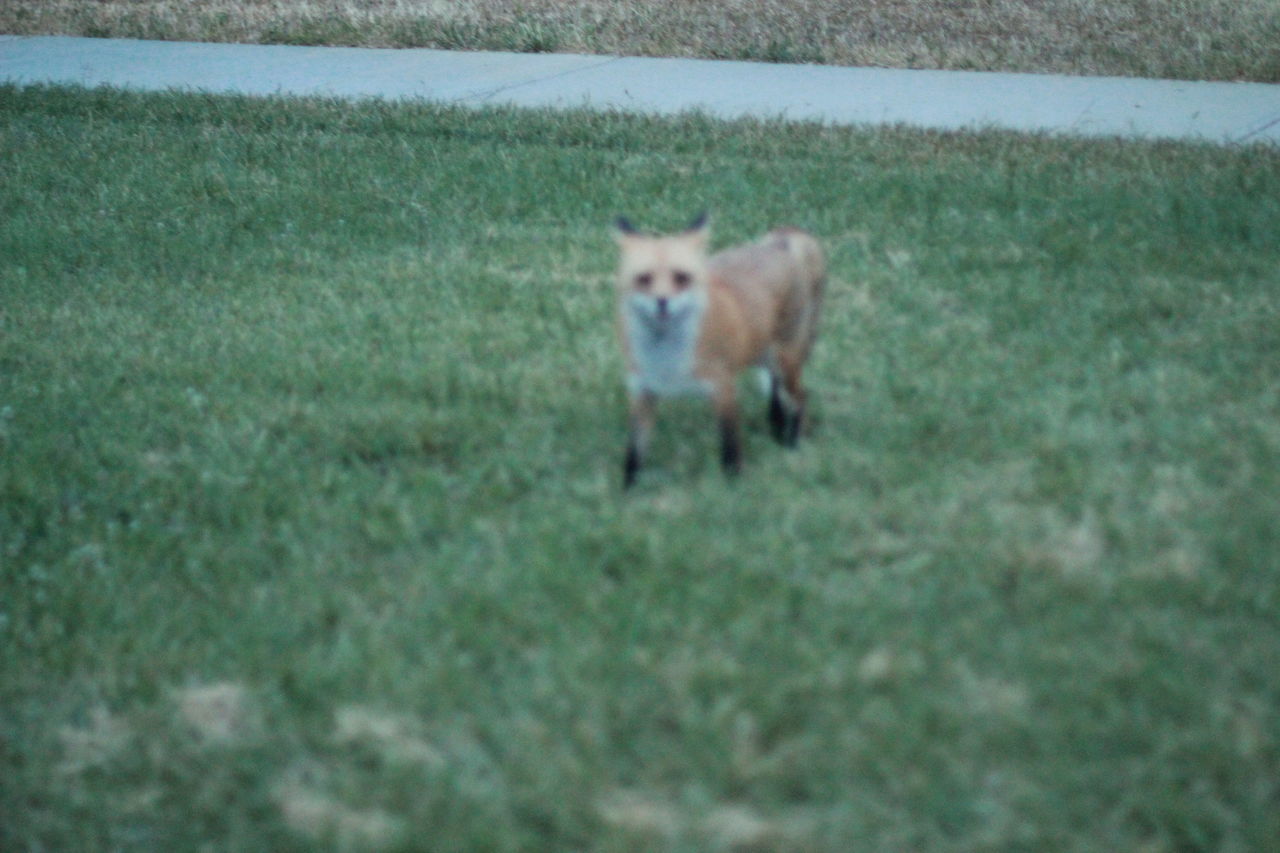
{"type": "Point", "coordinates": [312, 536]}
{"type": "Point", "coordinates": [1190, 39]}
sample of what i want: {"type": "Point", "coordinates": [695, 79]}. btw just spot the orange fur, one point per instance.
{"type": "Point", "coordinates": [690, 323]}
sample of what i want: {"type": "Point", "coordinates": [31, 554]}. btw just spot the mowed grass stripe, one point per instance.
{"type": "Point", "coordinates": [311, 426]}
{"type": "Point", "coordinates": [1190, 40]}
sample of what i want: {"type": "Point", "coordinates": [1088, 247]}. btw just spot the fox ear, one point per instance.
{"type": "Point", "coordinates": [698, 229]}
{"type": "Point", "coordinates": [622, 227]}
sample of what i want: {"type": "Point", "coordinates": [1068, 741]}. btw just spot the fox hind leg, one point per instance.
{"type": "Point", "coordinates": [787, 402]}
{"type": "Point", "coordinates": [630, 466]}
{"type": "Point", "coordinates": [778, 417]}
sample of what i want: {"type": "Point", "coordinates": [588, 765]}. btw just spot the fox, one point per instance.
{"type": "Point", "coordinates": [690, 323]}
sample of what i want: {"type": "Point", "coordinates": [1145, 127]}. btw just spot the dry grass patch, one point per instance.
{"type": "Point", "coordinates": [103, 737]}
{"type": "Point", "coordinates": [320, 817]}
{"type": "Point", "coordinates": [218, 713]}
{"type": "Point", "coordinates": [661, 822]}
{"type": "Point", "coordinates": [1192, 39]}
{"type": "Point", "coordinates": [391, 736]}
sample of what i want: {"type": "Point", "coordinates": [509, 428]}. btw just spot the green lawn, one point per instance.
{"type": "Point", "coordinates": [312, 535]}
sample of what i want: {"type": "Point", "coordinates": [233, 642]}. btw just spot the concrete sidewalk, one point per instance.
{"type": "Point", "coordinates": [1229, 113]}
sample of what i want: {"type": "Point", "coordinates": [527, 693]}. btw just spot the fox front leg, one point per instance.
{"type": "Point", "coordinates": [730, 447]}
{"type": "Point", "coordinates": [640, 430]}
{"type": "Point", "coordinates": [726, 405]}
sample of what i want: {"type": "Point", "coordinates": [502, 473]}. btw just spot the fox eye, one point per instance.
{"type": "Point", "coordinates": [682, 279]}
{"type": "Point", "coordinates": [644, 280]}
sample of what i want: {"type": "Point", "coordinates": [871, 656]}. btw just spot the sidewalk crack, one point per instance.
{"type": "Point", "coordinates": [492, 93]}
{"type": "Point", "coordinates": [1262, 128]}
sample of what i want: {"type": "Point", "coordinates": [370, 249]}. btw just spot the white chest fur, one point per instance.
{"type": "Point", "coordinates": [663, 348]}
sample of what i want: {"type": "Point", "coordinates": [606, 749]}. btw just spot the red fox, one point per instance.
{"type": "Point", "coordinates": [690, 324]}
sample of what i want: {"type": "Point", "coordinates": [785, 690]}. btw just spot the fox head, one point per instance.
{"type": "Point", "coordinates": [662, 280]}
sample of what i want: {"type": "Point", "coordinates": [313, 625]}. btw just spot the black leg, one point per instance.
{"type": "Point", "coordinates": [730, 446]}
{"type": "Point", "coordinates": [777, 414]}
{"type": "Point", "coordinates": [784, 417]}
{"type": "Point", "coordinates": [630, 466]}
{"type": "Point", "coordinates": [791, 432]}
{"type": "Point", "coordinates": [639, 428]}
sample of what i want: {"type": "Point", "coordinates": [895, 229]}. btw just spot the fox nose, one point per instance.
{"type": "Point", "coordinates": [662, 306]}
